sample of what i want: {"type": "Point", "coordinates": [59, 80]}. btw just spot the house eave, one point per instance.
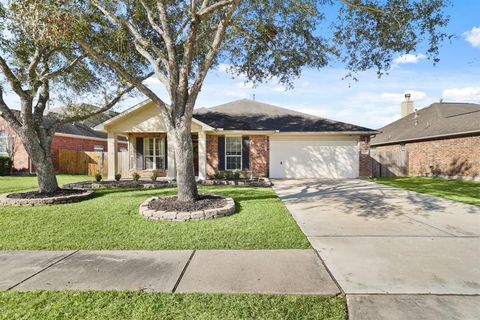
{"type": "Point", "coordinates": [432, 137]}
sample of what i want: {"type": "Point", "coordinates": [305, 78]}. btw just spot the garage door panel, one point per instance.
{"type": "Point", "coordinates": [313, 159]}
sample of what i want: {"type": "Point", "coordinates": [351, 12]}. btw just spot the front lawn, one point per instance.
{"type": "Point", "coordinates": [111, 221]}
{"type": "Point", "coordinates": [457, 190]}
{"type": "Point", "coordinates": [138, 305]}
{"type": "Point", "coordinates": [20, 183]}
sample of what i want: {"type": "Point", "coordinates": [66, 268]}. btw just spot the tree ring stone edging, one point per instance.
{"type": "Point", "coordinates": [5, 200]}
{"type": "Point", "coordinates": [151, 214]}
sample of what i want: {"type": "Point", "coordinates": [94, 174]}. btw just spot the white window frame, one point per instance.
{"type": "Point", "coordinates": [4, 143]}
{"type": "Point", "coordinates": [234, 156]}
{"type": "Point", "coordinates": [156, 154]}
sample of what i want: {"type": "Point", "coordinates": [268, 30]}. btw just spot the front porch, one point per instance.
{"type": "Point", "coordinates": [150, 153]}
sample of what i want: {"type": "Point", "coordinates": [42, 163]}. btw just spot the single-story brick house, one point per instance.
{"type": "Point", "coordinates": [261, 139]}
{"type": "Point", "coordinates": [442, 139]}
{"type": "Point", "coordinates": [76, 136]}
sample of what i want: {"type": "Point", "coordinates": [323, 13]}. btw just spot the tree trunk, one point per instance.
{"type": "Point", "coordinates": [182, 144]}
{"type": "Point", "coordinates": [41, 156]}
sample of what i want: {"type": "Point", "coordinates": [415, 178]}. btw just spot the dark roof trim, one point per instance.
{"type": "Point", "coordinates": [426, 138]}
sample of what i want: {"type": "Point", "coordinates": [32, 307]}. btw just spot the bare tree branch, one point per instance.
{"type": "Point", "coordinates": [361, 6]}
{"type": "Point", "coordinates": [213, 7]}
{"type": "Point", "coordinates": [169, 43]}
{"type": "Point", "coordinates": [32, 70]}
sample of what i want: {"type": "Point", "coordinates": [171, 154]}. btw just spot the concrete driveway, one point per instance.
{"type": "Point", "coordinates": [378, 240]}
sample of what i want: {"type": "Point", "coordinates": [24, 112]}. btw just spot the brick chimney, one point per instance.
{"type": "Point", "coordinates": [407, 105]}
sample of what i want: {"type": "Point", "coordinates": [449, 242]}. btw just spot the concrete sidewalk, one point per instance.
{"type": "Point", "coordinates": [212, 271]}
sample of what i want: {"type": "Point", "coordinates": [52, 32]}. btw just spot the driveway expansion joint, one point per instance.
{"type": "Point", "coordinates": [43, 269]}
{"type": "Point", "coordinates": [183, 272]}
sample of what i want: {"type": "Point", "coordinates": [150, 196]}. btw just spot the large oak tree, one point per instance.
{"type": "Point", "coordinates": [39, 61]}
{"type": "Point", "coordinates": [182, 40]}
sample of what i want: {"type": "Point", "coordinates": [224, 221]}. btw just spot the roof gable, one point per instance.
{"type": "Point", "coordinates": [438, 119]}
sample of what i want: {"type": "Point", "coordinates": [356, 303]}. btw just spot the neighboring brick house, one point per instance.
{"type": "Point", "coordinates": [442, 139]}
{"type": "Point", "coordinates": [77, 136]}
{"type": "Point", "coordinates": [245, 135]}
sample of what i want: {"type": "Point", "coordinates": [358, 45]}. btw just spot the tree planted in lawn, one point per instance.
{"type": "Point", "coordinates": [38, 59]}
{"type": "Point", "coordinates": [258, 39]}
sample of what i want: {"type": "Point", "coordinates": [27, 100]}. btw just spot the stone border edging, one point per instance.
{"type": "Point", "coordinates": [151, 214]}
{"type": "Point", "coordinates": [249, 183]}
{"type": "Point", "coordinates": [5, 200]}
{"type": "Point", "coordinates": [126, 184]}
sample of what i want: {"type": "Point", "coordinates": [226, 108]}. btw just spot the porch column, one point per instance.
{"type": "Point", "coordinates": [171, 169]}
{"type": "Point", "coordinates": [202, 155]}
{"type": "Point", "coordinates": [112, 154]}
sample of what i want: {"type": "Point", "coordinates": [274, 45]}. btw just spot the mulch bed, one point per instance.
{"type": "Point", "coordinates": [44, 195]}
{"type": "Point", "coordinates": [205, 202]}
{"type": "Point", "coordinates": [127, 184]}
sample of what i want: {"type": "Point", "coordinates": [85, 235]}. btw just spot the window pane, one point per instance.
{"type": "Point", "coordinates": [234, 163]}
{"type": "Point", "coordinates": [233, 146]}
{"type": "Point", "coordinates": [149, 162]}
{"type": "Point", "coordinates": [160, 163]}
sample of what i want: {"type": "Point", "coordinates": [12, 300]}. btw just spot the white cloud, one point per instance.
{"type": "Point", "coordinates": [279, 89]}
{"type": "Point", "coordinates": [462, 94]}
{"type": "Point", "coordinates": [473, 37]}
{"type": "Point", "coordinates": [245, 85]}
{"type": "Point", "coordinates": [409, 58]}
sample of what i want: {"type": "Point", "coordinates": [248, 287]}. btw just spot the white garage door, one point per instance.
{"type": "Point", "coordinates": [313, 159]}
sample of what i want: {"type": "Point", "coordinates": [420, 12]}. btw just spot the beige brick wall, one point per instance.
{"type": "Point", "coordinates": [445, 157]}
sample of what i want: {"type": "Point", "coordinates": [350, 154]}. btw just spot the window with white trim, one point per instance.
{"type": "Point", "coordinates": [3, 143]}
{"type": "Point", "coordinates": [154, 151]}
{"type": "Point", "coordinates": [233, 153]}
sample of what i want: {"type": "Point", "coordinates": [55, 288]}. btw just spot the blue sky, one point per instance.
{"type": "Point", "coordinates": [370, 102]}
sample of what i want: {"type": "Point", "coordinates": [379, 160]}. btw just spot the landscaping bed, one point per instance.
{"type": "Point", "coordinates": [32, 198]}
{"type": "Point", "coordinates": [208, 206]}
{"type": "Point", "coordinates": [127, 184]}
{"type": "Point", "coordinates": [261, 182]}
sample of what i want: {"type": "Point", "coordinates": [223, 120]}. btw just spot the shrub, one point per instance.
{"type": "Point", "coordinates": [135, 176]}
{"type": "Point", "coordinates": [118, 176]}
{"type": "Point", "coordinates": [5, 165]}
{"type": "Point", "coordinates": [227, 175]}
{"type": "Point", "coordinates": [154, 176]}
{"type": "Point", "coordinates": [98, 177]}
{"type": "Point", "coordinates": [236, 175]}
{"type": "Point", "coordinates": [218, 175]}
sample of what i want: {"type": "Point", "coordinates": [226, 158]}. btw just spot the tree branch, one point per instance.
{"type": "Point", "coordinates": [63, 69]}
{"type": "Point", "coordinates": [206, 10]}
{"type": "Point", "coordinates": [167, 38]}
{"type": "Point", "coordinates": [128, 77]}
{"type": "Point", "coordinates": [12, 79]}
{"type": "Point", "coordinates": [7, 114]}
{"type": "Point", "coordinates": [362, 6]}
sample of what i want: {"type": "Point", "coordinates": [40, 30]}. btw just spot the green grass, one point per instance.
{"type": "Point", "coordinates": [19, 183]}
{"type": "Point", "coordinates": [111, 221]}
{"type": "Point", "coordinates": [138, 305]}
{"type": "Point", "coordinates": [457, 190]}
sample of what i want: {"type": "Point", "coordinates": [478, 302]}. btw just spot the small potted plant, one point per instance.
{"type": "Point", "coordinates": [98, 177]}
{"type": "Point", "coordinates": [135, 176]}
{"type": "Point", "coordinates": [118, 176]}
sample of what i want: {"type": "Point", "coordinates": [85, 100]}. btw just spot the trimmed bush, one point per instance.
{"type": "Point", "coordinates": [154, 176]}
{"type": "Point", "coordinates": [5, 166]}
{"type": "Point", "coordinates": [135, 176]}
{"type": "Point", "coordinates": [98, 177]}
{"type": "Point", "coordinates": [118, 176]}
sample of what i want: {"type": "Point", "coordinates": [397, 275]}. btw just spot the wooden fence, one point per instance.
{"type": "Point", "coordinates": [389, 163]}
{"type": "Point", "coordinates": [89, 162]}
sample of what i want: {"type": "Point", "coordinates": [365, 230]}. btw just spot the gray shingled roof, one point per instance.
{"type": "Point", "coordinates": [253, 115]}
{"type": "Point", "coordinates": [83, 128]}
{"type": "Point", "coordinates": [438, 119]}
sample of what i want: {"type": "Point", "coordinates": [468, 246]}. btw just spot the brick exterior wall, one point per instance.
{"type": "Point", "coordinates": [212, 154]}
{"type": "Point", "coordinates": [20, 156]}
{"type": "Point", "coordinates": [259, 155]}
{"type": "Point", "coordinates": [445, 157]}
{"type": "Point", "coordinates": [365, 168]}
